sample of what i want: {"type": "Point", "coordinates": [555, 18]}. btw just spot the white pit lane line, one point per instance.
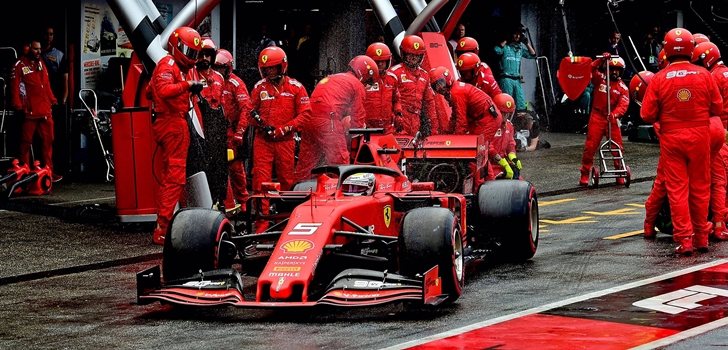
{"type": "Point", "coordinates": [85, 200]}
{"type": "Point", "coordinates": [661, 342]}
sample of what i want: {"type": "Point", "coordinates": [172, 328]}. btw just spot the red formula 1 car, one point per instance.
{"type": "Point", "coordinates": [357, 235]}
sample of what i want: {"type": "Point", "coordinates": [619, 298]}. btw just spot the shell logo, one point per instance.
{"type": "Point", "coordinates": [683, 95]}
{"type": "Point", "coordinates": [509, 104]}
{"type": "Point", "coordinates": [264, 58]}
{"type": "Point", "coordinates": [416, 46]}
{"type": "Point", "coordinates": [378, 52]}
{"type": "Point", "coordinates": [297, 246]}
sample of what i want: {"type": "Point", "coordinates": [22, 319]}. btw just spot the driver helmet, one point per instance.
{"type": "Point", "coordinates": [359, 184]}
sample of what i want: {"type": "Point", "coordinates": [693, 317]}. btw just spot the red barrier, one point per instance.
{"type": "Point", "coordinates": [134, 148]}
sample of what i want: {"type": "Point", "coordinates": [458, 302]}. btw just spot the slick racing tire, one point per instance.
{"type": "Point", "coordinates": [509, 213]}
{"type": "Point", "coordinates": [198, 239]}
{"type": "Point", "coordinates": [430, 237]}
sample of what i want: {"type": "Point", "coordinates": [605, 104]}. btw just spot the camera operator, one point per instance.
{"type": "Point", "coordinates": [510, 53]}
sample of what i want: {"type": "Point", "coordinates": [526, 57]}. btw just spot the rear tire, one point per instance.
{"type": "Point", "coordinates": [432, 236]}
{"type": "Point", "coordinates": [509, 213]}
{"type": "Point", "coordinates": [198, 239]}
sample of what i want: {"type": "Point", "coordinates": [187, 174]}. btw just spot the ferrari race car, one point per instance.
{"type": "Point", "coordinates": [356, 235]}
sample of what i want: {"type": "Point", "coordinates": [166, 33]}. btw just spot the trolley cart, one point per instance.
{"type": "Point", "coordinates": [609, 151]}
{"type": "Point", "coordinates": [108, 157]}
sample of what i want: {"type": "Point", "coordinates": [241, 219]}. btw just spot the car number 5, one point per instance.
{"type": "Point", "coordinates": [304, 228]}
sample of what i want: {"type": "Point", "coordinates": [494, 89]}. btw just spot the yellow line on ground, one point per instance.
{"type": "Point", "coordinates": [553, 202]}
{"type": "Point", "coordinates": [626, 234]}
{"type": "Point", "coordinates": [637, 205]}
{"type": "Point", "coordinates": [623, 211]}
{"type": "Point", "coordinates": [576, 220]}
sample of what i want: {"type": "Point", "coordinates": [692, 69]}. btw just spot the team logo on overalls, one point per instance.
{"type": "Point", "coordinates": [378, 52]}
{"type": "Point", "coordinates": [416, 46]}
{"type": "Point", "coordinates": [264, 59]}
{"type": "Point", "coordinates": [265, 96]}
{"type": "Point", "coordinates": [683, 95]}
{"type": "Point", "coordinates": [448, 143]}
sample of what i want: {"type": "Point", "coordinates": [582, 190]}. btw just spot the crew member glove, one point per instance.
{"type": "Point", "coordinates": [504, 163]}
{"type": "Point", "coordinates": [515, 161]}
{"type": "Point", "coordinates": [282, 131]}
{"type": "Point", "coordinates": [398, 121]}
{"type": "Point", "coordinates": [196, 87]}
{"type": "Point", "coordinates": [256, 116]}
{"type": "Point", "coordinates": [238, 138]}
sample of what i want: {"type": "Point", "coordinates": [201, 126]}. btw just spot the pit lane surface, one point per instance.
{"type": "Point", "coordinates": [72, 285]}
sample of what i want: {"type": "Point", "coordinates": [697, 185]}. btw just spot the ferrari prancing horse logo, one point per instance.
{"type": "Point", "coordinates": [417, 46]}
{"type": "Point", "coordinates": [264, 58]}
{"type": "Point", "coordinates": [379, 52]}
{"type": "Point", "coordinates": [387, 215]}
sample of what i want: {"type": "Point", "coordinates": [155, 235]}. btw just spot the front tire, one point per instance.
{"type": "Point", "coordinates": [432, 236]}
{"type": "Point", "coordinates": [198, 240]}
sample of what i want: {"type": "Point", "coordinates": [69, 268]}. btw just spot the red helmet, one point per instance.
{"type": "Point", "coordinates": [678, 42]}
{"type": "Point", "coordinates": [616, 62]}
{"type": "Point", "coordinates": [467, 44]}
{"type": "Point", "coordinates": [364, 68]}
{"type": "Point", "coordinates": [505, 103]}
{"type": "Point", "coordinates": [706, 52]}
{"type": "Point", "coordinates": [441, 74]}
{"type": "Point", "coordinates": [467, 61]}
{"type": "Point", "coordinates": [184, 45]}
{"type": "Point", "coordinates": [272, 56]}
{"type": "Point", "coordinates": [637, 87]}
{"type": "Point", "coordinates": [380, 52]}
{"type": "Point", "coordinates": [224, 58]}
{"type": "Point", "coordinates": [662, 59]}
{"type": "Point", "coordinates": [700, 38]}
{"type": "Point", "coordinates": [412, 44]}
{"type": "Point", "coordinates": [208, 47]}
